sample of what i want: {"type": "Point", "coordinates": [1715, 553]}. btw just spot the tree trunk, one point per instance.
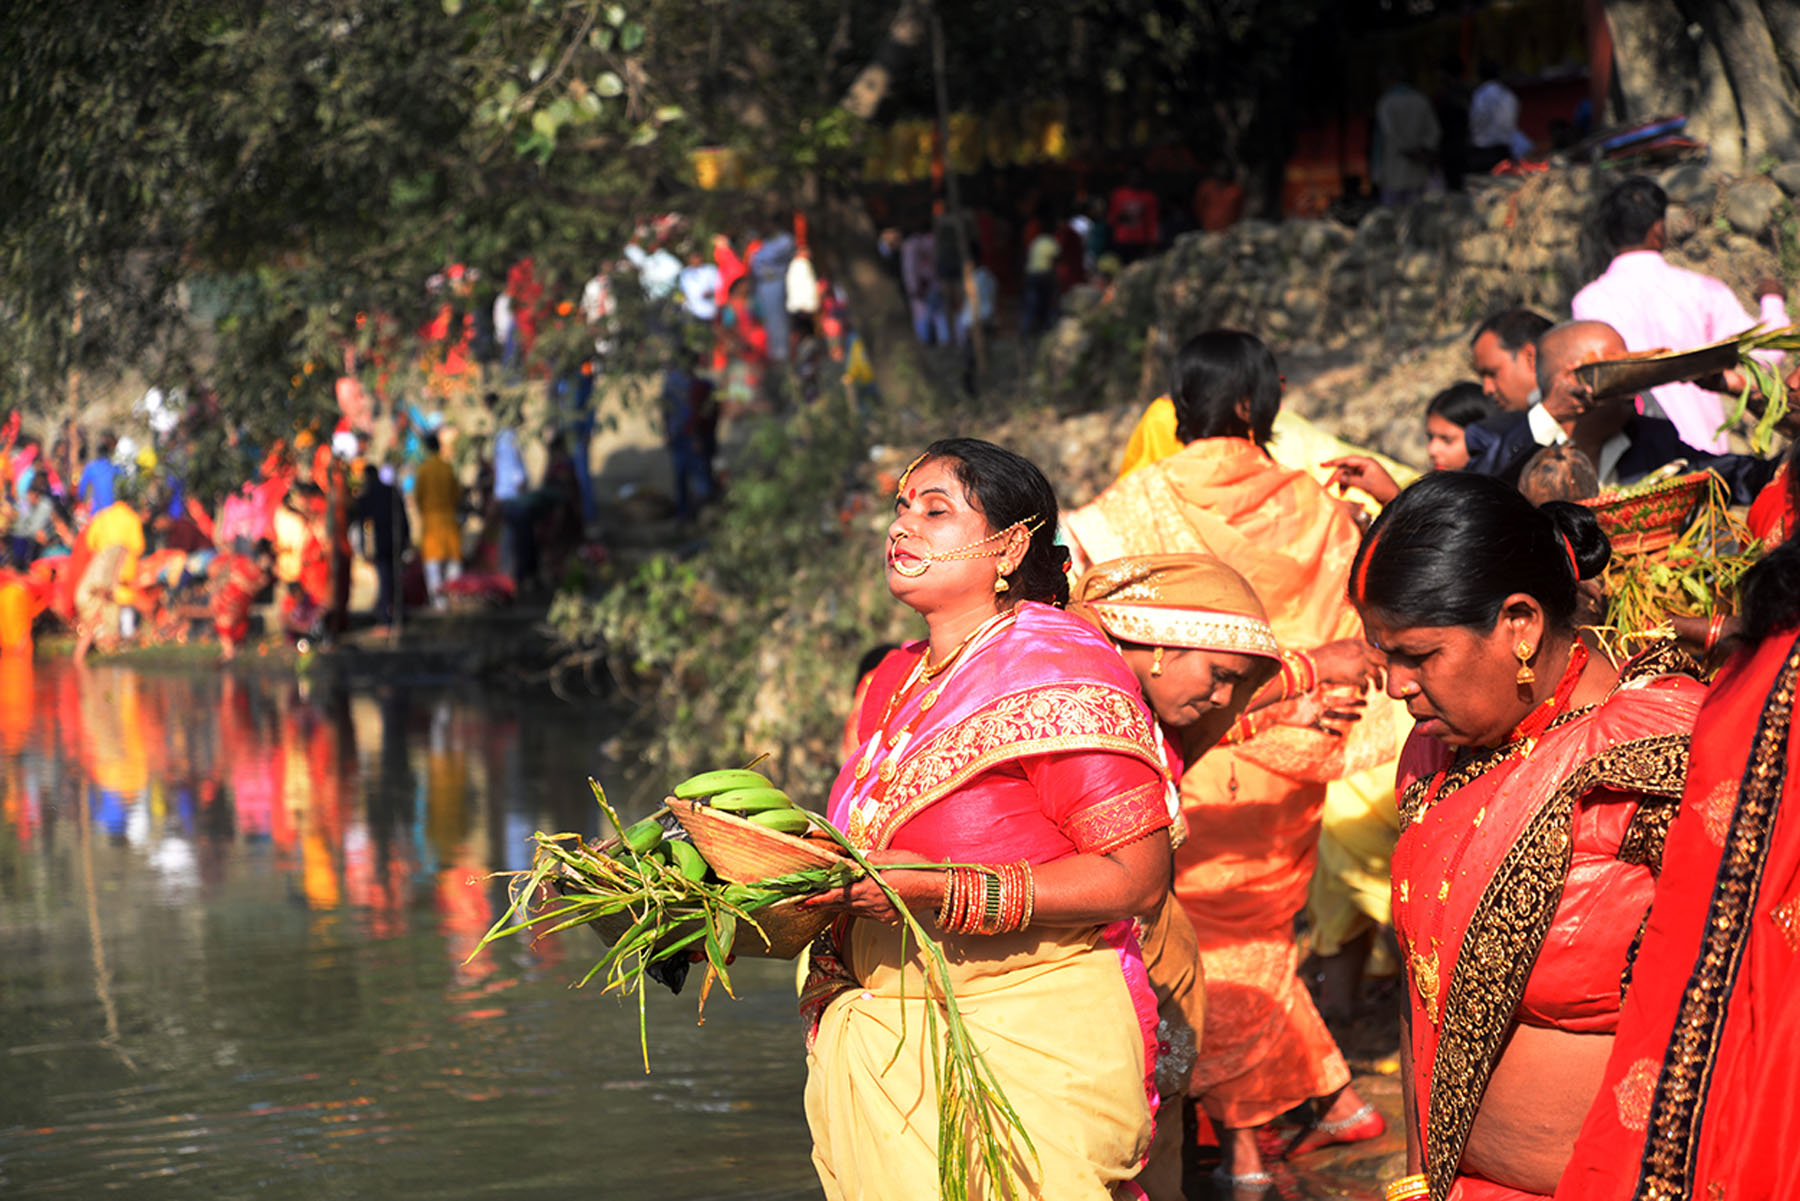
{"type": "Point", "coordinates": [1764, 106]}
{"type": "Point", "coordinates": [1738, 94]}
{"type": "Point", "coordinates": [1652, 58]}
{"type": "Point", "coordinates": [881, 315]}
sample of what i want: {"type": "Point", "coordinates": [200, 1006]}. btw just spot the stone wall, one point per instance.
{"type": "Point", "coordinates": [1355, 305]}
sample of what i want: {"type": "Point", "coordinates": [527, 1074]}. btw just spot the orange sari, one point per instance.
{"type": "Point", "coordinates": [1254, 805]}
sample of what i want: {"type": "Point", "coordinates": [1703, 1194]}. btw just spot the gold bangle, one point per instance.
{"type": "Point", "coordinates": [1408, 1188]}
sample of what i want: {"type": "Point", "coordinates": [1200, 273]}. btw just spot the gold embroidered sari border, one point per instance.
{"type": "Point", "coordinates": [1506, 932]}
{"type": "Point", "coordinates": [1034, 721]}
{"type": "Point", "coordinates": [1673, 1143]}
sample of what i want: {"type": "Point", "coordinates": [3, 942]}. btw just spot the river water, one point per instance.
{"type": "Point", "coordinates": [234, 912]}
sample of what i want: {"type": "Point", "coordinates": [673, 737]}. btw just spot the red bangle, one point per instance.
{"type": "Point", "coordinates": [1715, 629]}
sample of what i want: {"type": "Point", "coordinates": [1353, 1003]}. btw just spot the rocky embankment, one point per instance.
{"type": "Point", "coordinates": [1369, 322]}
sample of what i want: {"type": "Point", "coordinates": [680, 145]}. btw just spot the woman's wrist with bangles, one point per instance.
{"type": "Point", "coordinates": [1408, 1188]}
{"type": "Point", "coordinates": [993, 899]}
{"type": "Point", "coordinates": [1299, 674]}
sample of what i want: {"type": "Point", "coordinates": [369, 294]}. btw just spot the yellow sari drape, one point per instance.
{"type": "Point", "coordinates": [1053, 1018]}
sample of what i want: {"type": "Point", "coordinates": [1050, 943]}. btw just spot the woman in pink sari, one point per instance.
{"type": "Point", "coordinates": [1017, 747]}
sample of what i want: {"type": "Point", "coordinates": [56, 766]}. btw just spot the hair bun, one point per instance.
{"type": "Point", "coordinates": [1587, 542]}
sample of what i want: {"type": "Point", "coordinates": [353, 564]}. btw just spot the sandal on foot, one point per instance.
{"type": "Point", "coordinates": [1359, 1127]}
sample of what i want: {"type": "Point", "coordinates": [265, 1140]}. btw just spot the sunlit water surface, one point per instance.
{"type": "Point", "coordinates": [233, 919]}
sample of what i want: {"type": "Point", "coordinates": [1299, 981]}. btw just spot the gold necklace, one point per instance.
{"type": "Point", "coordinates": [918, 676]}
{"type": "Point", "coordinates": [929, 669]}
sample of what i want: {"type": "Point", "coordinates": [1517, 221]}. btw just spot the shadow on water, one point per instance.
{"type": "Point", "coordinates": [233, 920]}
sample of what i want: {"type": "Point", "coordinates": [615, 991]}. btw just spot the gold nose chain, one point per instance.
{"type": "Point", "coordinates": [1030, 525]}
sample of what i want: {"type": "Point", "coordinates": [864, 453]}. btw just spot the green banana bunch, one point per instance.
{"type": "Point", "coordinates": [785, 821]}
{"type": "Point", "coordinates": [711, 783]}
{"type": "Point", "coordinates": [747, 801]}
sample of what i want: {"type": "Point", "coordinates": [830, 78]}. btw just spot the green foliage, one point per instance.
{"type": "Point", "coordinates": [753, 636]}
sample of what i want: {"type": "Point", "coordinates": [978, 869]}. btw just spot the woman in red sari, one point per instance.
{"type": "Point", "coordinates": [1698, 1099]}
{"type": "Point", "coordinates": [1017, 742]}
{"type": "Point", "coordinates": [1534, 791]}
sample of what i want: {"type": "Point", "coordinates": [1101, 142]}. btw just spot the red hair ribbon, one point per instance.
{"type": "Point", "coordinates": [1574, 567]}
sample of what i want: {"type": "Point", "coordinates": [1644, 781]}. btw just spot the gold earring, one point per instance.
{"type": "Point", "coordinates": [1156, 662]}
{"type": "Point", "coordinates": [1000, 584]}
{"type": "Point", "coordinates": [1523, 653]}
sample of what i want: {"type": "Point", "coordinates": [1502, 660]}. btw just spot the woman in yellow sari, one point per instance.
{"type": "Point", "coordinates": [1258, 795]}
{"type": "Point", "coordinates": [1017, 748]}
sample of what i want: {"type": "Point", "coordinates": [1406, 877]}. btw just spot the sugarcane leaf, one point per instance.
{"type": "Point", "coordinates": [706, 983]}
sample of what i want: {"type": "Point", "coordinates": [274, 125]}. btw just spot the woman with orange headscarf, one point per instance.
{"type": "Point", "coordinates": [1196, 638]}
{"type": "Point", "coordinates": [1260, 793]}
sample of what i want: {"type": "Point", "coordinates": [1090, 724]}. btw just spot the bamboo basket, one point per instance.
{"type": "Point", "coordinates": [744, 852]}
{"type": "Point", "coordinates": [1646, 521]}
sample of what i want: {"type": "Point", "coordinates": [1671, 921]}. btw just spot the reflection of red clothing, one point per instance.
{"type": "Point", "coordinates": [1520, 880]}
{"type": "Point", "coordinates": [1698, 1100]}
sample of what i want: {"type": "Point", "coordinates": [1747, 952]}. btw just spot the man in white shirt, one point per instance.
{"type": "Point", "coordinates": [1406, 142]}
{"type": "Point", "coordinates": [700, 288]}
{"type": "Point", "coordinates": [1494, 133]}
{"type": "Point", "coordinates": [1656, 305]}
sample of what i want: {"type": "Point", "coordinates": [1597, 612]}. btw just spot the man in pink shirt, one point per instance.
{"type": "Point", "coordinates": [1656, 305]}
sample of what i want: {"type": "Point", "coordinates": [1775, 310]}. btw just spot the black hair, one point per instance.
{"type": "Point", "coordinates": [1009, 489]}
{"type": "Point", "coordinates": [1450, 548]}
{"type": "Point", "coordinates": [1462, 404]}
{"type": "Point", "coordinates": [1769, 593]}
{"type": "Point", "coordinates": [431, 441]}
{"type": "Point", "coordinates": [1626, 214]}
{"type": "Point", "coordinates": [1515, 328]}
{"type": "Point", "coordinates": [872, 659]}
{"type": "Point", "coordinates": [1214, 372]}
{"type": "Point", "coordinates": [1488, 69]}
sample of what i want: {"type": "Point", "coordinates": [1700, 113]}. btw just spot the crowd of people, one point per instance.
{"type": "Point", "coordinates": [1248, 683]}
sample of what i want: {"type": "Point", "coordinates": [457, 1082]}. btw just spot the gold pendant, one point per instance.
{"type": "Point", "coordinates": [1425, 979]}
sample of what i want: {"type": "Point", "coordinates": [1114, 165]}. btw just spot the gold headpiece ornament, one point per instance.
{"type": "Point", "coordinates": [1030, 525]}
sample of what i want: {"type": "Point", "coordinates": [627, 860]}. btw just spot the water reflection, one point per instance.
{"type": "Point", "coordinates": [233, 918]}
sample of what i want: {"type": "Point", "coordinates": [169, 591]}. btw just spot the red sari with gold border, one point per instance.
{"type": "Point", "coordinates": [1521, 877]}
{"type": "Point", "coordinates": [1699, 1099]}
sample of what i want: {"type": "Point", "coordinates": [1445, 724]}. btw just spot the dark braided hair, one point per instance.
{"type": "Point", "coordinates": [1451, 548]}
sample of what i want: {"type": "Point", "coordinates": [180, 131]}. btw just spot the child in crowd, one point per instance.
{"type": "Point", "coordinates": [1447, 415]}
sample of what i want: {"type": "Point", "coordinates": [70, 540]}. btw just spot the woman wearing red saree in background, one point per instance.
{"type": "Point", "coordinates": [1534, 792]}
{"type": "Point", "coordinates": [1017, 741]}
{"type": "Point", "coordinates": [1698, 1099]}
{"type": "Point", "coordinates": [1260, 794]}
